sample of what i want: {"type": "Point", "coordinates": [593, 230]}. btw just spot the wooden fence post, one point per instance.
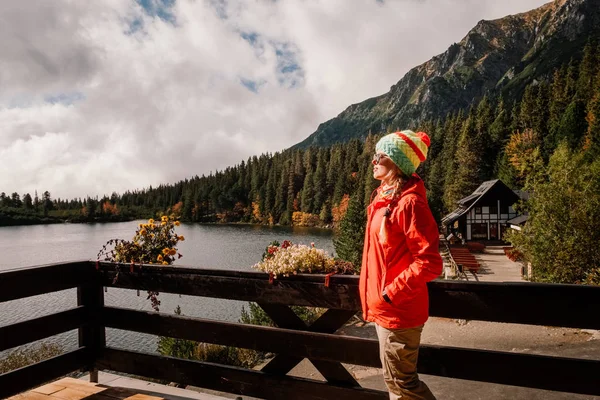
{"type": "Point", "coordinates": [92, 335]}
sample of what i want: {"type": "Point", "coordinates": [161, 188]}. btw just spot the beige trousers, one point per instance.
{"type": "Point", "coordinates": [399, 350]}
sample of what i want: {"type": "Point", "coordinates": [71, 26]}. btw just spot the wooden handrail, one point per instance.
{"type": "Point", "coordinates": [40, 328]}
{"type": "Point", "coordinates": [292, 340]}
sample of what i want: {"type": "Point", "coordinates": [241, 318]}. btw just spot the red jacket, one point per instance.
{"type": "Point", "coordinates": [405, 264]}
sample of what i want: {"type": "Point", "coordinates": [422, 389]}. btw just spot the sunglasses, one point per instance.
{"type": "Point", "coordinates": [377, 158]}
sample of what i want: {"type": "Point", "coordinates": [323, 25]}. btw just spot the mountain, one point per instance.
{"type": "Point", "coordinates": [496, 57]}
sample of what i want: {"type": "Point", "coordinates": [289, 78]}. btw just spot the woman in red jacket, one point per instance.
{"type": "Point", "coordinates": [400, 256]}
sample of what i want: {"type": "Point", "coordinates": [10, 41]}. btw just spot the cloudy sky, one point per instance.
{"type": "Point", "coordinates": [110, 95]}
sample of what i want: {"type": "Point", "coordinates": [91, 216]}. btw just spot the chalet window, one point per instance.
{"type": "Point", "coordinates": [494, 210]}
{"type": "Point", "coordinates": [503, 209]}
{"type": "Point", "coordinates": [479, 231]}
{"type": "Point", "coordinates": [477, 210]}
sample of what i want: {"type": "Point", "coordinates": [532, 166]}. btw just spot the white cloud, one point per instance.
{"type": "Point", "coordinates": [148, 101]}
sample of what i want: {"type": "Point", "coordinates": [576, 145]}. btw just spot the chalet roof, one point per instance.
{"type": "Point", "coordinates": [520, 220]}
{"type": "Point", "coordinates": [454, 215]}
{"type": "Point", "coordinates": [468, 202]}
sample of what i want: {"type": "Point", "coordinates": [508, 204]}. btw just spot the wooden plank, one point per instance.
{"type": "Point", "coordinates": [49, 388]}
{"type": "Point", "coordinates": [25, 282]}
{"type": "Point", "coordinates": [70, 394]}
{"type": "Point", "coordinates": [230, 379]}
{"type": "Point", "coordinates": [288, 292]}
{"type": "Point", "coordinates": [248, 274]}
{"type": "Point", "coordinates": [319, 346]}
{"type": "Point", "coordinates": [143, 397]}
{"type": "Point", "coordinates": [39, 328]}
{"type": "Point", "coordinates": [555, 305]}
{"type": "Point", "coordinates": [521, 303]}
{"type": "Point", "coordinates": [30, 396]}
{"type": "Point", "coordinates": [81, 385]}
{"type": "Point", "coordinates": [37, 374]}
{"type": "Point", "coordinates": [516, 369]}
{"type": "Point", "coordinates": [527, 370]}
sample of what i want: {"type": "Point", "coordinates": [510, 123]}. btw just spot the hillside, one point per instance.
{"type": "Point", "coordinates": [495, 57]}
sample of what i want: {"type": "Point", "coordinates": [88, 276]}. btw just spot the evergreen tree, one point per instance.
{"type": "Point", "coordinates": [592, 136]}
{"type": "Point", "coordinates": [558, 105]}
{"type": "Point", "coordinates": [572, 126]}
{"type": "Point", "coordinates": [448, 160]}
{"type": "Point", "coordinates": [571, 81]}
{"type": "Point", "coordinates": [587, 71]}
{"type": "Point", "coordinates": [527, 108]}
{"type": "Point", "coordinates": [325, 214]}
{"type": "Point", "coordinates": [46, 202]}
{"type": "Point", "coordinates": [36, 202]}
{"type": "Point", "coordinates": [308, 192]}
{"type": "Point", "coordinates": [27, 202]}
{"type": "Point", "coordinates": [15, 200]}
{"type": "Point", "coordinates": [468, 163]}
{"type": "Point", "coordinates": [484, 119]}
{"type": "Point", "coordinates": [541, 114]}
{"type": "Point", "coordinates": [279, 213]}
{"type": "Point", "coordinates": [320, 180]}
{"type": "Point", "coordinates": [350, 238]}
{"type": "Point", "coordinates": [188, 206]}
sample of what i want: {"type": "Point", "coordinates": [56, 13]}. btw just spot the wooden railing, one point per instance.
{"type": "Point", "coordinates": [292, 340]}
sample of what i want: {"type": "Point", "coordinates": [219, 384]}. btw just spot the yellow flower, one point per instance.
{"type": "Point", "coordinates": [177, 223]}
{"type": "Point", "coordinates": [181, 238]}
{"type": "Point", "coordinates": [159, 258]}
{"type": "Point", "coordinates": [166, 251]}
{"type": "Point", "coordinates": [141, 225]}
{"type": "Point", "coordinates": [172, 252]}
{"type": "Point", "coordinates": [143, 231]}
{"type": "Point", "coordinates": [151, 221]}
{"type": "Point", "coordinates": [152, 235]}
{"type": "Point", "coordinates": [163, 223]}
{"type": "Point", "coordinates": [165, 263]}
{"type": "Point", "coordinates": [164, 218]}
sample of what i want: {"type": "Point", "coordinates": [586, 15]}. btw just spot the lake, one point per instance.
{"type": "Point", "coordinates": [231, 247]}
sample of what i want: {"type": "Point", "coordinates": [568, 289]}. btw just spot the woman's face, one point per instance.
{"type": "Point", "coordinates": [383, 167]}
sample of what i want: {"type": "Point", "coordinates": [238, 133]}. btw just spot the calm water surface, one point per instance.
{"type": "Point", "coordinates": [232, 247]}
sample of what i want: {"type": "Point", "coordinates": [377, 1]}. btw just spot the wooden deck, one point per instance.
{"type": "Point", "coordinates": [76, 389]}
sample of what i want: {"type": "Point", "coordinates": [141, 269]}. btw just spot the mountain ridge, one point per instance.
{"type": "Point", "coordinates": [498, 56]}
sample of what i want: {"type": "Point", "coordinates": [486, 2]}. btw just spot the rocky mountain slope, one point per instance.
{"type": "Point", "coordinates": [500, 56]}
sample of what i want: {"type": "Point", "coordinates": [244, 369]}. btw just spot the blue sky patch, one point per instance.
{"type": "Point", "coordinates": [220, 7]}
{"type": "Point", "coordinates": [66, 99]}
{"type": "Point", "coordinates": [158, 8]}
{"type": "Point", "coordinates": [252, 85]}
{"type": "Point", "coordinates": [289, 71]}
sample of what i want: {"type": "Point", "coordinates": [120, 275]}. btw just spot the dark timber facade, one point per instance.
{"type": "Point", "coordinates": [483, 215]}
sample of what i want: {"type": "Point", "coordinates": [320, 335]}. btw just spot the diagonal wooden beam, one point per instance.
{"type": "Point", "coordinates": [329, 322]}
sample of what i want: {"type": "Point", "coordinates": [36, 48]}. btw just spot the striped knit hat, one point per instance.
{"type": "Point", "coordinates": [405, 148]}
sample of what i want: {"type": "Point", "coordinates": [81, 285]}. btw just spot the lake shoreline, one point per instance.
{"type": "Point", "coordinates": [55, 220]}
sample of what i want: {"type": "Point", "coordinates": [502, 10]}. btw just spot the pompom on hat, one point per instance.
{"type": "Point", "coordinates": [406, 149]}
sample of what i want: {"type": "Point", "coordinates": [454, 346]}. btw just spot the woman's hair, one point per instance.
{"type": "Point", "coordinates": [401, 179]}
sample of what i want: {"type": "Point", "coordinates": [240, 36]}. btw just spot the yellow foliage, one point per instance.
{"type": "Point", "coordinates": [304, 219]}
{"type": "Point", "coordinates": [256, 211]}
{"type": "Point", "coordinates": [338, 212]}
